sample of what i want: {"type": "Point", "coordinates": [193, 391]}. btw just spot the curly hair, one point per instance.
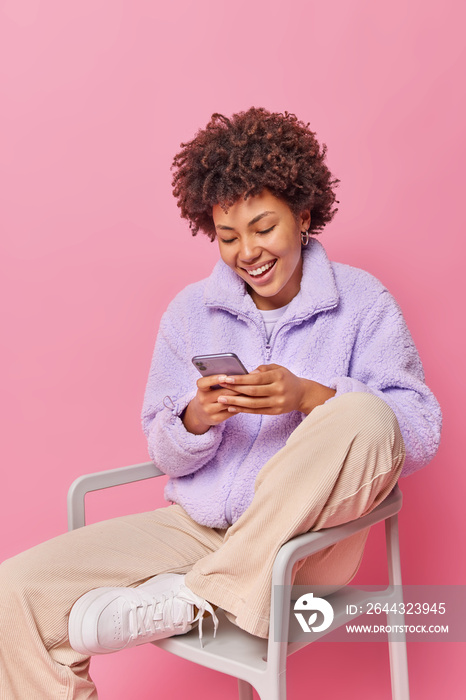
{"type": "Point", "coordinates": [242, 156]}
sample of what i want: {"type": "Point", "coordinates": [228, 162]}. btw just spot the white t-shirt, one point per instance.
{"type": "Point", "coordinates": [271, 317]}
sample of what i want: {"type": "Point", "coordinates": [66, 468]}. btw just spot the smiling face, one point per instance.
{"type": "Point", "coordinates": [260, 239]}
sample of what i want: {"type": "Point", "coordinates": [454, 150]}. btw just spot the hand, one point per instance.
{"type": "Point", "coordinates": [204, 410]}
{"type": "Point", "coordinates": [272, 390]}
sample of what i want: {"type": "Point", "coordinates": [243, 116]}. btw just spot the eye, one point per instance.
{"type": "Point", "coordinates": [227, 240]}
{"type": "Point", "coordinates": [268, 230]}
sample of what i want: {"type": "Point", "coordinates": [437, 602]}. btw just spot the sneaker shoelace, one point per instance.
{"type": "Point", "coordinates": [144, 616]}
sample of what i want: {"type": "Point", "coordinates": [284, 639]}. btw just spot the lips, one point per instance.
{"type": "Point", "coordinates": [262, 270]}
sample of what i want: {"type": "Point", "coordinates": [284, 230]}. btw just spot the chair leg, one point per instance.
{"type": "Point", "coordinates": [399, 670]}
{"type": "Point", "coordinates": [396, 649]}
{"type": "Point", "coordinates": [244, 690]}
{"type": "Point", "coordinates": [270, 689]}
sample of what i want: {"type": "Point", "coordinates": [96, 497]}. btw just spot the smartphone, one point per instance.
{"type": "Point", "coordinates": [221, 363]}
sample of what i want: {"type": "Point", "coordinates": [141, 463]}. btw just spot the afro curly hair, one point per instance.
{"type": "Point", "coordinates": [242, 156]}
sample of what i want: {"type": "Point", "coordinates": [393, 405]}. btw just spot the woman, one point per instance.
{"type": "Point", "coordinates": [332, 409]}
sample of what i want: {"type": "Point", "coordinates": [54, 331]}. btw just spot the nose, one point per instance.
{"type": "Point", "coordinates": [249, 250]}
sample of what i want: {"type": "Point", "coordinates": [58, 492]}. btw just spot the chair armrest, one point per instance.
{"type": "Point", "coordinates": [309, 543]}
{"type": "Point", "coordinates": [103, 480]}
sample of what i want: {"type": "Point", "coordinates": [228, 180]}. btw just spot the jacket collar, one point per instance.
{"type": "Point", "coordinates": [225, 289]}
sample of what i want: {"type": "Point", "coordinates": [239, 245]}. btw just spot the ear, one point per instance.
{"type": "Point", "coordinates": [305, 220]}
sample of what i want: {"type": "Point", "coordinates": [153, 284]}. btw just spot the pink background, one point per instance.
{"type": "Point", "coordinates": [96, 97]}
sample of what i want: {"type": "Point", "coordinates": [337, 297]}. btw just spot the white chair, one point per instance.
{"type": "Point", "coordinates": [257, 662]}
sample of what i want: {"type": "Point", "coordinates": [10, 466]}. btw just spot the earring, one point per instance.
{"type": "Point", "coordinates": [304, 237]}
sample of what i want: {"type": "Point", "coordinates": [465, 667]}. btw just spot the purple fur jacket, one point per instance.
{"type": "Point", "coordinates": [343, 329]}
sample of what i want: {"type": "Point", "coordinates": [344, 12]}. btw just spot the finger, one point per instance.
{"type": "Point", "coordinates": [205, 383]}
{"type": "Point", "coordinates": [209, 398]}
{"type": "Point", "coordinates": [215, 413]}
{"type": "Point", "coordinates": [257, 411]}
{"type": "Point", "coordinates": [220, 415]}
{"type": "Point", "coordinates": [213, 394]}
{"type": "Point", "coordinates": [255, 390]}
{"type": "Point", "coordinates": [245, 401]}
{"type": "Point", "coordinates": [253, 379]}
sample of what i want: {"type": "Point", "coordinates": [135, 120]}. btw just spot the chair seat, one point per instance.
{"type": "Point", "coordinates": [232, 647]}
{"type": "Point", "coordinates": [236, 650]}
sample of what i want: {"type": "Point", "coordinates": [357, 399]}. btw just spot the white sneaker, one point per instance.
{"type": "Point", "coordinates": [109, 619]}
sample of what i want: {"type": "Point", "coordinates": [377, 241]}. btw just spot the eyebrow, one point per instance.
{"type": "Point", "coordinates": [251, 223]}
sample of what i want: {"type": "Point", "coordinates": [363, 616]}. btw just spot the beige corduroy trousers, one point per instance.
{"type": "Point", "coordinates": [339, 464]}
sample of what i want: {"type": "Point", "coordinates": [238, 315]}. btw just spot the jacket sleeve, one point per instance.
{"type": "Point", "coordinates": [385, 362]}
{"type": "Point", "coordinates": [170, 388]}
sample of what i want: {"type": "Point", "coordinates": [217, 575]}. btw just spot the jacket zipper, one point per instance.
{"type": "Point", "coordinates": [268, 353]}
{"type": "Point", "coordinates": [228, 509]}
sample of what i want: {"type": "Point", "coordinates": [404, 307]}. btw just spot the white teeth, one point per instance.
{"type": "Point", "coordinates": [260, 270]}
